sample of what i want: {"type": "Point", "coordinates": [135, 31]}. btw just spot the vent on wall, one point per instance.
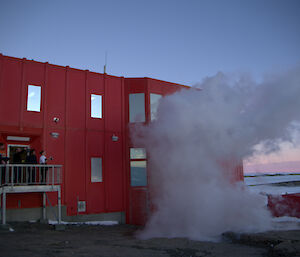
{"type": "Point", "coordinates": [81, 206]}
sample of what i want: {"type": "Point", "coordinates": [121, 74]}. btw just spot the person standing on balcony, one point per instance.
{"type": "Point", "coordinates": [43, 161]}
{"type": "Point", "coordinates": [31, 159]}
{"type": "Point", "coordinates": [3, 162]}
{"type": "Point", "coordinates": [1, 149]}
{"type": "Point", "coordinates": [17, 159]}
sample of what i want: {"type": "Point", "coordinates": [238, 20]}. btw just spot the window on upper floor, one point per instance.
{"type": "Point", "coordinates": [34, 98]}
{"type": "Point", "coordinates": [137, 107]}
{"type": "Point", "coordinates": [96, 106]}
{"type": "Point", "coordinates": [154, 102]}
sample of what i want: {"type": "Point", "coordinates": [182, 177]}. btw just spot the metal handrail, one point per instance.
{"type": "Point", "coordinates": [29, 174]}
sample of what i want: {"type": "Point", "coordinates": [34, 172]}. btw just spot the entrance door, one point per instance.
{"type": "Point", "coordinates": [12, 149]}
{"type": "Point", "coordinates": [139, 200]}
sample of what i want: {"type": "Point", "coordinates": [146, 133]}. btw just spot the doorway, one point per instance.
{"type": "Point", "coordinates": [12, 149]}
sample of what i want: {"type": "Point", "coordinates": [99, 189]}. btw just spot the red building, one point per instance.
{"type": "Point", "coordinates": [80, 118]}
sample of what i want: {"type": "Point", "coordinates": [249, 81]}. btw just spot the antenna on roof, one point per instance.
{"type": "Point", "coordinates": [104, 70]}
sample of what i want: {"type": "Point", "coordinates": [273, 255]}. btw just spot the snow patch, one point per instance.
{"type": "Point", "coordinates": [93, 223]}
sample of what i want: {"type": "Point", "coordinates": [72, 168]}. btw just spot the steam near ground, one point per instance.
{"type": "Point", "coordinates": [198, 131]}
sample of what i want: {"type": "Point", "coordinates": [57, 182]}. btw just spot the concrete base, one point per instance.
{"type": "Point", "coordinates": [36, 214]}
{"type": "Point", "coordinates": [112, 216]}
{"type": "Point", "coordinates": [5, 228]}
{"type": "Point", "coordinates": [31, 214]}
{"type": "Point", "coordinates": [42, 221]}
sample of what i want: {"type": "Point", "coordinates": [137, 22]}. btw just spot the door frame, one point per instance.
{"type": "Point", "coordinates": [15, 145]}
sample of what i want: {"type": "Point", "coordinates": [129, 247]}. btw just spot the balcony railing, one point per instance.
{"type": "Point", "coordinates": [29, 174]}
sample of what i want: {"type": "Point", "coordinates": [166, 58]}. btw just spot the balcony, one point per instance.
{"type": "Point", "coordinates": [30, 175]}
{"type": "Point", "coordinates": [30, 178]}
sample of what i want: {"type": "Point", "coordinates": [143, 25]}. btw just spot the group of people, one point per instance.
{"type": "Point", "coordinates": [18, 158]}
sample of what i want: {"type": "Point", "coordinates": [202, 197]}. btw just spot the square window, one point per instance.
{"type": "Point", "coordinates": [34, 98]}
{"type": "Point", "coordinates": [96, 169]}
{"type": "Point", "coordinates": [96, 106]}
{"type": "Point", "coordinates": [138, 153]}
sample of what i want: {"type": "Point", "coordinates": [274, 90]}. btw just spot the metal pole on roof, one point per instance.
{"type": "Point", "coordinates": [104, 71]}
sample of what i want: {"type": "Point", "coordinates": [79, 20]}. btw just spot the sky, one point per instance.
{"type": "Point", "coordinates": [177, 41]}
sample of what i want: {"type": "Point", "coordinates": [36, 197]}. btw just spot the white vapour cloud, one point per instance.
{"type": "Point", "coordinates": [194, 134]}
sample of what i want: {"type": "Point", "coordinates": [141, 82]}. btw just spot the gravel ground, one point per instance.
{"type": "Point", "coordinates": [35, 239]}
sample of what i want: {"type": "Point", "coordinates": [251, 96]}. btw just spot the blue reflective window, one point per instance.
{"type": "Point", "coordinates": [137, 107]}
{"type": "Point", "coordinates": [138, 170]}
{"type": "Point", "coordinates": [96, 169]}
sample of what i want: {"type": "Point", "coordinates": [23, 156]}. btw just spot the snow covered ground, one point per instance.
{"type": "Point", "coordinates": [263, 179]}
{"type": "Point", "coordinates": [264, 184]}
{"type": "Point", "coordinates": [93, 223]}
{"type": "Point", "coordinates": [274, 190]}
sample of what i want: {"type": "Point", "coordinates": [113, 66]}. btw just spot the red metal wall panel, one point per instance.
{"type": "Point", "coordinates": [33, 74]}
{"type": "Point", "coordinates": [95, 192]}
{"type": "Point", "coordinates": [114, 173]}
{"type": "Point", "coordinates": [74, 169]}
{"type": "Point", "coordinates": [113, 104]}
{"type": "Point", "coordinates": [136, 85]}
{"type": "Point", "coordinates": [10, 95]}
{"type": "Point", "coordinates": [29, 200]}
{"type": "Point", "coordinates": [56, 94]}
{"type": "Point", "coordinates": [163, 87]}
{"type": "Point", "coordinates": [55, 148]}
{"type": "Point", "coordinates": [76, 99]}
{"type": "Point", "coordinates": [95, 85]}
{"type": "Point", "coordinates": [139, 206]}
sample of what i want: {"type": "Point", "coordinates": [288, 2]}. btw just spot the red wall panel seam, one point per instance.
{"type": "Point", "coordinates": [44, 105]}
{"type": "Point", "coordinates": [22, 95]}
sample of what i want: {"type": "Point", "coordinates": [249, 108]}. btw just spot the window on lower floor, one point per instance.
{"type": "Point", "coordinates": [138, 170]}
{"type": "Point", "coordinates": [34, 98]}
{"type": "Point", "coordinates": [96, 169]}
{"type": "Point", "coordinates": [138, 167]}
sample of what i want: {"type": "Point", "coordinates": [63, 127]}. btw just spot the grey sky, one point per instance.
{"type": "Point", "coordinates": [177, 41]}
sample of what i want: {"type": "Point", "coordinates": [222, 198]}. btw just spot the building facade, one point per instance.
{"type": "Point", "coordinates": [81, 119]}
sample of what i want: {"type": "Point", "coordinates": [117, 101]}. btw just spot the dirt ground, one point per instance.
{"type": "Point", "coordinates": [35, 239]}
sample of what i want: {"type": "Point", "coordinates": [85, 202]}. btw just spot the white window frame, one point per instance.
{"type": "Point", "coordinates": [133, 102]}
{"type": "Point", "coordinates": [94, 111]}
{"type": "Point", "coordinates": [154, 105]}
{"type": "Point", "coordinates": [138, 159]}
{"type": "Point", "coordinates": [30, 103]}
{"type": "Point", "coordinates": [95, 179]}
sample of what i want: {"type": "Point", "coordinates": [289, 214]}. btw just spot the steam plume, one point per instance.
{"type": "Point", "coordinates": [194, 134]}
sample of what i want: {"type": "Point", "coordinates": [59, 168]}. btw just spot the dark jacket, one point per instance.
{"type": "Point", "coordinates": [5, 159]}
{"type": "Point", "coordinates": [17, 158]}
{"type": "Point", "coordinates": [31, 159]}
